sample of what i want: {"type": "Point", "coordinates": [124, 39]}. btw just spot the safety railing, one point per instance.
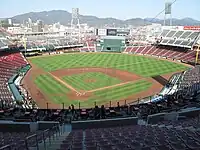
{"type": "Point", "coordinates": [34, 141]}
{"type": "Point", "coordinates": [108, 104]}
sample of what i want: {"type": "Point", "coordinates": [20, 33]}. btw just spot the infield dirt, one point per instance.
{"type": "Point", "coordinates": [125, 76]}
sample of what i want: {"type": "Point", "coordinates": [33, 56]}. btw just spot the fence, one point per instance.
{"type": "Point", "coordinates": [46, 136]}
{"type": "Point", "coordinates": [109, 104]}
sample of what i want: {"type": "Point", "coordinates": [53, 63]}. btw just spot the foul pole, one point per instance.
{"type": "Point", "coordinates": [197, 54]}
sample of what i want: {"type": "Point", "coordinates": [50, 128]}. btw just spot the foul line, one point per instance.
{"type": "Point", "coordinates": [112, 86]}
{"type": "Point", "coordinates": [64, 83]}
{"type": "Point", "coordinates": [99, 89]}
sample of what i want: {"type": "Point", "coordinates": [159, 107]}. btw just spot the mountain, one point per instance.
{"type": "Point", "coordinates": [177, 22]}
{"type": "Point", "coordinates": [64, 17]}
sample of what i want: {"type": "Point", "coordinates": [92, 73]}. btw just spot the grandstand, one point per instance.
{"type": "Point", "coordinates": [179, 38]}
{"type": "Point", "coordinates": [165, 116]}
{"type": "Point", "coordinates": [4, 41]}
{"type": "Point", "coordinates": [168, 120]}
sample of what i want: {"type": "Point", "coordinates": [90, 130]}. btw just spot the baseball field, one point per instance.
{"type": "Point", "coordinates": [86, 78]}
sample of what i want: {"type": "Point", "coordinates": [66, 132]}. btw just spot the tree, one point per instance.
{"type": "Point", "coordinates": [5, 24]}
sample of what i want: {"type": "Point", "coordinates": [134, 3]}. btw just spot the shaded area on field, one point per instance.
{"type": "Point", "coordinates": [161, 80]}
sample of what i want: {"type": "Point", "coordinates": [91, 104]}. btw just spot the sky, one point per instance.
{"type": "Point", "coordinates": [120, 9]}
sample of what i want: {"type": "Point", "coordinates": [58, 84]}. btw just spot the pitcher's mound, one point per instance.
{"type": "Point", "coordinates": [79, 96]}
{"type": "Point", "coordinates": [90, 80]}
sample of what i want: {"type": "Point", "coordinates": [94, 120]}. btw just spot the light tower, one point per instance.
{"type": "Point", "coordinates": [75, 22]}
{"type": "Point", "coordinates": [168, 12]}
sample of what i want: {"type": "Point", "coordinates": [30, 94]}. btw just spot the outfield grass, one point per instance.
{"type": "Point", "coordinates": [58, 92]}
{"type": "Point", "coordinates": [97, 80]}
{"type": "Point", "coordinates": [140, 65]}
{"type": "Point", "coordinates": [143, 66]}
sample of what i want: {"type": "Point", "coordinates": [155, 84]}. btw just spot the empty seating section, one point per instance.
{"type": "Point", "coordinates": [170, 34]}
{"type": "Point", "coordinates": [191, 79]}
{"type": "Point", "coordinates": [50, 43]}
{"type": "Point", "coordinates": [6, 42]}
{"type": "Point", "coordinates": [191, 44]}
{"type": "Point", "coordinates": [171, 41]}
{"type": "Point", "coordinates": [189, 56]}
{"type": "Point", "coordinates": [134, 49]}
{"type": "Point", "coordinates": [132, 138]}
{"type": "Point", "coordinates": [27, 140]}
{"type": "Point", "coordinates": [164, 33]}
{"type": "Point", "coordinates": [185, 35]}
{"type": "Point", "coordinates": [178, 53]}
{"type": "Point", "coordinates": [151, 50]}
{"type": "Point", "coordinates": [9, 63]}
{"type": "Point", "coordinates": [193, 35]}
{"type": "Point", "coordinates": [84, 49]}
{"type": "Point", "coordinates": [185, 43]}
{"type": "Point", "coordinates": [178, 42]}
{"type": "Point", "coordinates": [164, 41]}
{"type": "Point", "coordinates": [128, 49]}
{"type": "Point", "coordinates": [60, 43]}
{"type": "Point", "coordinates": [182, 38]}
{"type": "Point", "coordinates": [146, 48]}
{"type": "Point", "coordinates": [139, 49]}
{"type": "Point", "coordinates": [178, 34]}
{"type": "Point", "coordinates": [2, 44]}
{"type": "Point", "coordinates": [14, 139]}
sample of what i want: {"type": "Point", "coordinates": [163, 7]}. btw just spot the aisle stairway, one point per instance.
{"type": "Point", "coordinates": [55, 142]}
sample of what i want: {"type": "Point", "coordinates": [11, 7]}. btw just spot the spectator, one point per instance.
{"type": "Point", "coordinates": [103, 112]}
{"type": "Point", "coordinates": [72, 109]}
{"type": "Point", "coordinates": [118, 107]}
{"type": "Point", "coordinates": [96, 112]}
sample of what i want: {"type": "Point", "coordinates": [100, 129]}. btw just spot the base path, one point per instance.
{"type": "Point", "coordinates": [120, 74]}
{"type": "Point", "coordinates": [64, 83]}
{"type": "Point", "coordinates": [126, 77]}
{"type": "Point", "coordinates": [112, 86]}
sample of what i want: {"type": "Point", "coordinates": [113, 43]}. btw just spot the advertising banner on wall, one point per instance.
{"type": "Point", "coordinates": [192, 28]}
{"type": "Point", "coordinates": [123, 31]}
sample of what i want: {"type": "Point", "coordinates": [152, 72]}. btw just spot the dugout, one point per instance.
{"type": "Point", "coordinates": [111, 44]}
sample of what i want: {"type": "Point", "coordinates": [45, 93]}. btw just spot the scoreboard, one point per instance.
{"type": "Point", "coordinates": [112, 32]}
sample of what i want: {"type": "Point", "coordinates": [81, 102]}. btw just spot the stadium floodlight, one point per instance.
{"type": "Point", "coordinates": [168, 11]}
{"type": "Point", "coordinates": [75, 22]}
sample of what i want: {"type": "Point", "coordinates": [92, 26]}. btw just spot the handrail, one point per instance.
{"type": "Point", "coordinates": [54, 132]}
{"type": "Point", "coordinates": [5, 147]}
{"type": "Point", "coordinates": [31, 136]}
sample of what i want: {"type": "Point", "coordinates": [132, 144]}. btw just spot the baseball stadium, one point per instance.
{"type": "Point", "coordinates": [100, 88]}
{"type": "Point", "coordinates": [104, 72]}
{"type": "Point", "coordinates": [89, 78]}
